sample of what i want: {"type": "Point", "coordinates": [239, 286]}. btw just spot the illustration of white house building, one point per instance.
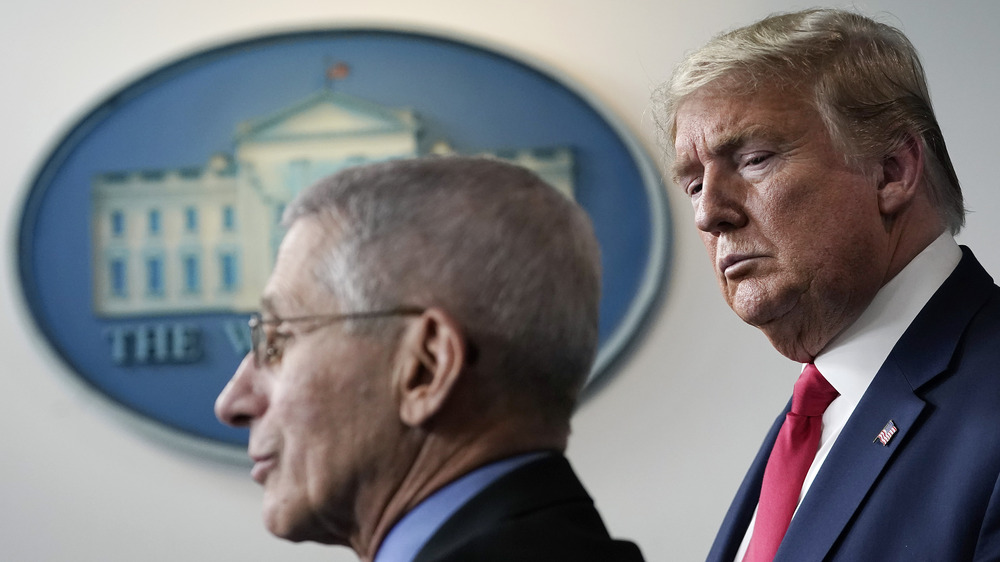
{"type": "Point", "coordinates": [203, 239]}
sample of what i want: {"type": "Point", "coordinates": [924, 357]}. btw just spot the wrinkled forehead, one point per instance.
{"type": "Point", "coordinates": [712, 122]}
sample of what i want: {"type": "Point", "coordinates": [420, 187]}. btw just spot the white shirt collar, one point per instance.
{"type": "Point", "coordinates": [851, 360]}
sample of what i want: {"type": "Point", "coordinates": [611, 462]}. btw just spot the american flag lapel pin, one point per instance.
{"type": "Point", "coordinates": [886, 434]}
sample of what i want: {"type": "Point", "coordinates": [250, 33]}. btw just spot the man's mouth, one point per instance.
{"type": "Point", "coordinates": [735, 265]}
{"type": "Point", "coordinates": [262, 466]}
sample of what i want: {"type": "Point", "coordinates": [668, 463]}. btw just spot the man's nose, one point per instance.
{"type": "Point", "coordinates": [719, 207]}
{"type": "Point", "coordinates": [242, 400]}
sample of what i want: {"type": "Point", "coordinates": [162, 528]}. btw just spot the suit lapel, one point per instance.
{"type": "Point", "coordinates": [852, 467]}
{"type": "Point", "coordinates": [856, 460]}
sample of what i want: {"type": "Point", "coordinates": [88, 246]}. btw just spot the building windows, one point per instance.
{"type": "Point", "coordinates": [192, 273]}
{"type": "Point", "coordinates": [228, 271]}
{"type": "Point", "coordinates": [228, 218]}
{"type": "Point", "coordinates": [191, 220]}
{"type": "Point", "coordinates": [154, 222]}
{"type": "Point", "coordinates": [117, 224]}
{"type": "Point", "coordinates": [154, 276]}
{"type": "Point", "coordinates": [118, 273]}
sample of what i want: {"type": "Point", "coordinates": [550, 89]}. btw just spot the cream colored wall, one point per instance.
{"type": "Point", "coordinates": [662, 447]}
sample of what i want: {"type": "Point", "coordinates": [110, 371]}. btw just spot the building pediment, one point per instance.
{"type": "Point", "coordinates": [327, 114]}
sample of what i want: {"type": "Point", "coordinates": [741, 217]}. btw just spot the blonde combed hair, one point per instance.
{"type": "Point", "coordinates": [863, 77]}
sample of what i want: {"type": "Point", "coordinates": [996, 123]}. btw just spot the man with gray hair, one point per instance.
{"type": "Point", "coordinates": [422, 342]}
{"type": "Point", "coordinates": [825, 196]}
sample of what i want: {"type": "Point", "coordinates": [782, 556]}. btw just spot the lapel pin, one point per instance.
{"type": "Point", "coordinates": [886, 434]}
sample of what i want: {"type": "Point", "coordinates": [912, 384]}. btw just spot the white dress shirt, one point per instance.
{"type": "Point", "coordinates": [851, 360]}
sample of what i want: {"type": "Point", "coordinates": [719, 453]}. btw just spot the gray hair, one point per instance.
{"type": "Point", "coordinates": [513, 260]}
{"type": "Point", "coordinates": [864, 78]}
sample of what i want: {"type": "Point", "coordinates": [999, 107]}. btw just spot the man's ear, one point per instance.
{"type": "Point", "coordinates": [433, 359]}
{"type": "Point", "coordinates": [902, 176]}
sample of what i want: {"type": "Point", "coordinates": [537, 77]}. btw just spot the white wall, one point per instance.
{"type": "Point", "coordinates": [662, 447]}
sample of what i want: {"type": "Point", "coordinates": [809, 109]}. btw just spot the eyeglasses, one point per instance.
{"type": "Point", "coordinates": [269, 345]}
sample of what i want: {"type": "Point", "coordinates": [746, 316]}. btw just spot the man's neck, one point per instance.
{"type": "Point", "coordinates": [443, 458]}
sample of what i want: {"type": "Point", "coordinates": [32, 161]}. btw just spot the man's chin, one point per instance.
{"type": "Point", "coordinates": [300, 527]}
{"type": "Point", "coordinates": [280, 522]}
{"type": "Point", "coordinates": [763, 314]}
{"type": "Point", "coordinates": [778, 322]}
{"type": "Point", "coordinates": [283, 530]}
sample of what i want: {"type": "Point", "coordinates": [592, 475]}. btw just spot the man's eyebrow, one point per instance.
{"type": "Point", "coordinates": [682, 168]}
{"type": "Point", "coordinates": [722, 146]}
{"type": "Point", "coordinates": [728, 143]}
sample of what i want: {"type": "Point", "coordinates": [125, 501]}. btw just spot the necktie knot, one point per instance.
{"type": "Point", "coordinates": [812, 393]}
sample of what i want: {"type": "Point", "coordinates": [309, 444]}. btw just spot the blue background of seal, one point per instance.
{"type": "Point", "coordinates": [180, 114]}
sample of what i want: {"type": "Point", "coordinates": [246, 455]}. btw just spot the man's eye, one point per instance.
{"type": "Point", "coordinates": [272, 355]}
{"type": "Point", "coordinates": [694, 189]}
{"type": "Point", "coordinates": [755, 159]}
{"type": "Point", "coordinates": [275, 347]}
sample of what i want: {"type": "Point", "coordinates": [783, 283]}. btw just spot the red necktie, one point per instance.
{"type": "Point", "coordinates": [790, 459]}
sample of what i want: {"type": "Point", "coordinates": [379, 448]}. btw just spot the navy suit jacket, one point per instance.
{"type": "Point", "coordinates": [538, 512]}
{"type": "Point", "coordinates": [931, 493]}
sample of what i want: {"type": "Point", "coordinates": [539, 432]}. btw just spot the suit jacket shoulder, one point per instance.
{"type": "Point", "coordinates": [538, 512]}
